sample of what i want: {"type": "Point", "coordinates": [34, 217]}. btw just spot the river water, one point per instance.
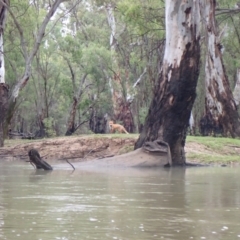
{"type": "Point", "coordinates": [134, 204]}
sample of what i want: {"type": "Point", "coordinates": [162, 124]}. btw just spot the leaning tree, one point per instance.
{"type": "Point", "coordinates": [220, 106]}
{"type": "Point", "coordinates": [175, 91]}
{"type": "Point", "coordinates": [8, 100]}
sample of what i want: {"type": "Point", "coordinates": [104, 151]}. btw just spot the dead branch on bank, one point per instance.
{"type": "Point", "coordinates": [70, 164]}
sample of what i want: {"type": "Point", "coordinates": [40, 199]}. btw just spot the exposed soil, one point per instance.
{"type": "Point", "coordinates": [74, 148]}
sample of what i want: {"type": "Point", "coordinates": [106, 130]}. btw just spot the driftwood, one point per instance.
{"type": "Point", "coordinates": [37, 161]}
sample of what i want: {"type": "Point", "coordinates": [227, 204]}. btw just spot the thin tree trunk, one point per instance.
{"type": "Point", "coordinates": [236, 91]}
{"type": "Point", "coordinates": [3, 109]}
{"type": "Point", "coordinates": [72, 116]}
{"type": "Point", "coordinates": [119, 88]}
{"type": "Point", "coordinates": [174, 95]}
{"type": "Point", "coordinates": [192, 124]}
{"type": "Point", "coordinates": [76, 99]}
{"type": "Point", "coordinates": [3, 12]}
{"type": "Point", "coordinates": [4, 90]}
{"type": "Point", "coordinates": [220, 106]}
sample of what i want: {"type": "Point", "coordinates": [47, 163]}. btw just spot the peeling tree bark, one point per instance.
{"type": "Point", "coordinates": [174, 95]}
{"type": "Point", "coordinates": [220, 106]}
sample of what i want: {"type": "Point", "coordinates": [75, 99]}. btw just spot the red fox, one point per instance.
{"type": "Point", "coordinates": [117, 127]}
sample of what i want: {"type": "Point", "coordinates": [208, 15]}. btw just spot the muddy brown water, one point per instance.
{"type": "Point", "coordinates": [134, 204]}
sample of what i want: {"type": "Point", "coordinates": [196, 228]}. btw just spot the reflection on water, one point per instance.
{"type": "Point", "coordinates": [195, 203]}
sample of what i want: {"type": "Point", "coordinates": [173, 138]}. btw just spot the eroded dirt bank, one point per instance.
{"type": "Point", "coordinates": [75, 148]}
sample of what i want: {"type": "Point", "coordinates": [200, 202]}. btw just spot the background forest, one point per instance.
{"type": "Point", "coordinates": [99, 61]}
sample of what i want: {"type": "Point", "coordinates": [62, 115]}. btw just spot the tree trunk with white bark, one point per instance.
{"type": "Point", "coordinates": [4, 90]}
{"type": "Point", "coordinates": [175, 92]}
{"type": "Point", "coordinates": [236, 91]}
{"type": "Point", "coordinates": [220, 106]}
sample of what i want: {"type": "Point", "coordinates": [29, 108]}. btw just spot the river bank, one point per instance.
{"type": "Point", "coordinates": [208, 150]}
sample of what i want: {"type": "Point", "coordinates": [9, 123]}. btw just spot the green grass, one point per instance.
{"type": "Point", "coordinates": [214, 142]}
{"type": "Point", "coordinates": [219, 150]}
{"type": "Point", "coordinates": [213, 159]}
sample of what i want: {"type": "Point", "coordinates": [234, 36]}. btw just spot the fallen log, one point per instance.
{"type": "Point", "coordinates": [37, 161]}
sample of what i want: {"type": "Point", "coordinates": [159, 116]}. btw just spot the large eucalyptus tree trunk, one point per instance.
{"type": "Point", "coordinates": [3, 86]}
{"type": "Point", "coordinates": [175, 92]}
{"type": "Point", "coordinates": [220, 106]}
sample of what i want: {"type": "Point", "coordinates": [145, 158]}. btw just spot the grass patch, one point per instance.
{"type": "Point", "coordinates": [220, 150]}
{"type": "Point", "coordinates": [214, 142]}
{"type": "Point", "coordinates": [213, 159]}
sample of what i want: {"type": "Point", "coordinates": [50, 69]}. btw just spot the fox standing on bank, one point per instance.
{"type": "Point", "coordinates": [117, 127]}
